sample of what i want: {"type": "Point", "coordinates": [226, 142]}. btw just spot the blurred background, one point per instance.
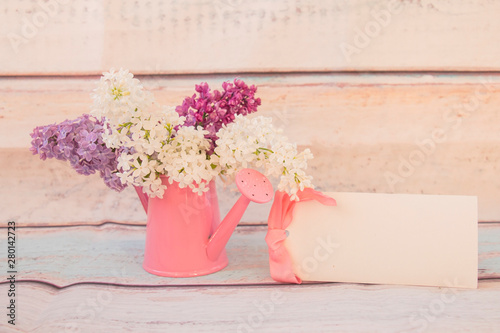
{"type": "Point", "coordinates": [390, 96]}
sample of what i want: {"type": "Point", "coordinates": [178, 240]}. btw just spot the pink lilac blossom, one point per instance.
{"type": "Point", "coordinates": [80, 142]}
{"type": "Point", "coordinates": [213, 109]}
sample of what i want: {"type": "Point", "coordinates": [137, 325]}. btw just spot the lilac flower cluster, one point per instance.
{"type": "Point", "coordinates": [80, 142]}
{"type": "Point", "coordinates": [212, 110]}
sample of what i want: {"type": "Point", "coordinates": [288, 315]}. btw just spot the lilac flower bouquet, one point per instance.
{"type": "Point", "coordinates": [131, 141]}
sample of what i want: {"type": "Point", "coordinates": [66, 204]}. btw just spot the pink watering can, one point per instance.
{"type": "Point", "coordinates": [184, 234]}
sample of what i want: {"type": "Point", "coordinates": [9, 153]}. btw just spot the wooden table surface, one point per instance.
{"type": "Point", "coordinates": [89, 278]}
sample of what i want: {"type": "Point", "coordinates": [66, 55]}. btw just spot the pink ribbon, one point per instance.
{"type": "Point", "coordinates": [280, 218]}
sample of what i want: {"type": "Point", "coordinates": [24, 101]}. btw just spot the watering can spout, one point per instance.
{"type": "Point", "coordinates": [220, 237]}
{"type": "Point", "coordinates": [253, 186]}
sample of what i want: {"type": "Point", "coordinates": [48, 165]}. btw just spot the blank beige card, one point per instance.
{"type": "Point", "coordinates": [427, 240]}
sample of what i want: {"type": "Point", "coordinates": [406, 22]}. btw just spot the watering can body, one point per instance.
{"type": "Point", "coordinates": [184, 234]}
{"type": "Point", "coordinates": [178, 230]}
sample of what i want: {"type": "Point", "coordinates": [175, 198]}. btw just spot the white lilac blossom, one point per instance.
{"type": "Point", "coordinates": [181, 157]}
{"type": "Point", "coordinates": [186, 159]}
{"type": "Point", "coordinates": [180, 146]}
{"type": "Point", "coordinates": [153, 142]}
{"type": "Point", "coordinates": [255, 142]}
{"type": "Point", "coordinates": [120, 97]}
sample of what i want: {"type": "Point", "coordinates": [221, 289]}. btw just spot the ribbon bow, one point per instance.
{"type": "Point", "coordinates": [279, 219]}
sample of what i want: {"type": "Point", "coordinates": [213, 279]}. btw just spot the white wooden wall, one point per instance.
{"type": "Point", "coordinates": [194, 36]}
{"type": "Point", "coordinates": [391, 96]}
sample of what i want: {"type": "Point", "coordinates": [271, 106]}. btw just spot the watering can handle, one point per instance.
{"type": "Point", "coordinates": [143, 197]}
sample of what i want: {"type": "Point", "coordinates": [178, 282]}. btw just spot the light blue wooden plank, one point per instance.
{"type": "Point", "coordinates": [336, 307]}
{"type": "Point", "coordinates": [489, 250]}
{"type": "Point", "coordinates": [113, 253]}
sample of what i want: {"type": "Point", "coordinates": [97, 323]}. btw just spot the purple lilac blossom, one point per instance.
{"type": "Point", "coordinates": [80, 142]}
{"type": "Point", "coordinates": [212, 110]}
